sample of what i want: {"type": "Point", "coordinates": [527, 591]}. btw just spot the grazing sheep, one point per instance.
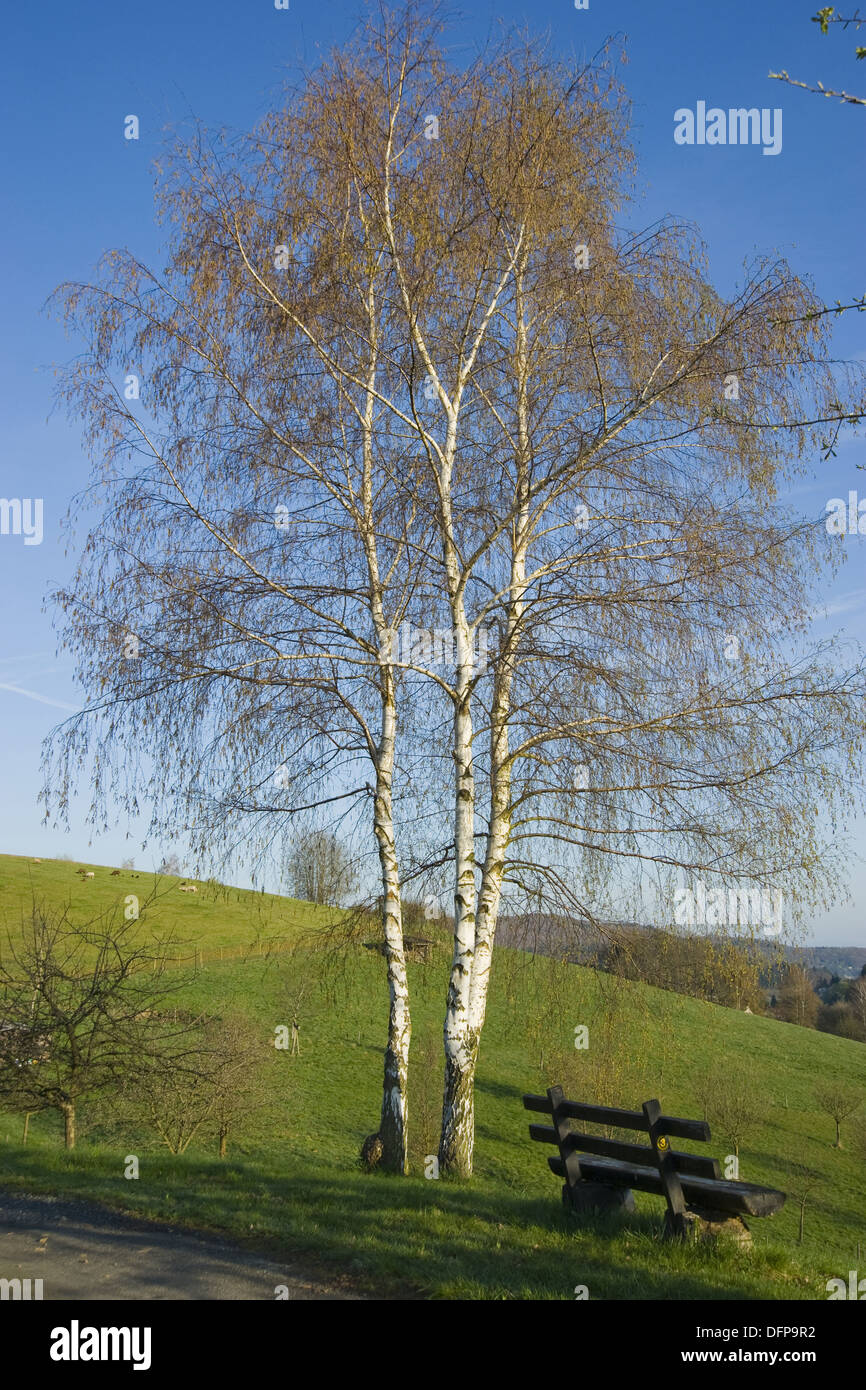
{"type": "Point", "coordinates": [188, 888]}
{"type": "Point", "coordinates": [90, 874]}
{"type": "Point", "coordinates": [35, 861]}
{"type": "Point", "coordinates": [115, 873]}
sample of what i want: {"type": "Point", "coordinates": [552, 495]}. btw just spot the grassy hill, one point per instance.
{"type": "Point", "coordinates": [291, 1180]}
{"type": "Point", "coordinates": [217, 915]}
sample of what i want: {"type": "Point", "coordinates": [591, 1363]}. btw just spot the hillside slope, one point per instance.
{"type": "Point", "coordinates": [217, 915]}
{"type": "Point", "coordinates": [291, 1180]}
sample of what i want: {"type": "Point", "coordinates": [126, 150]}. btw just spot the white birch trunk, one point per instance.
{"type": "Point", "coordinates": [393, 1127]}
{"type": "Point", "coordinates": [457, 1139]}
{"type": "Point", "coordinates": [394, 1119]}
{"type": "Point", "coordinates": [458, 1119]}
{"type": "Point", "coordinates": [458, 1116]}
{"type": "Point", "coordinates": [499, 827]}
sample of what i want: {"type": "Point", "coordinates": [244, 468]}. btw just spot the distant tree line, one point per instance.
{"type": "Point", "coordinates": [737, 975]}
{"type": "Point", "coordinates": [718, 970]}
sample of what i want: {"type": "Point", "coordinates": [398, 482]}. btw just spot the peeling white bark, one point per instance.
{"type": "Point", "coordinates": [499, 826]}
{"type": "Point", "coordinates": [394, 1119]}
{"type": "Point", "coordinates": [393, 1128]}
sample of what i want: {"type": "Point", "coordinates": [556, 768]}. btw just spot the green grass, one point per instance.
{"type": "Point", "coordinates": [291, 1183]}
{"type": "Point", "coordinates": [216, 916]}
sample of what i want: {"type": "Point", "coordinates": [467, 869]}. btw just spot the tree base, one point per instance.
{"type": "Point", "coordinates": [371, 1152]}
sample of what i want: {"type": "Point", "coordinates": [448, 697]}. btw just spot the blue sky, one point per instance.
{"type": "Point", "coordinates": [74, 187]}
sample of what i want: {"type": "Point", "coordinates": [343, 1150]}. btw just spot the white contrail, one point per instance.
{"type": "Point", "coordinates": [43, 699]}
{"type": "Point", "coordinates": [845, 603]}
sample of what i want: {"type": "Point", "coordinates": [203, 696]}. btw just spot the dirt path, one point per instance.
{"type": "Point", "coordinates": [83, 1251]}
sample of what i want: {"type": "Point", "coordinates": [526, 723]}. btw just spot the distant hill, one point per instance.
{"type": "Point", "coordinates": [580, 940]}
{"type": "Point", "coordinates": [844, 961]}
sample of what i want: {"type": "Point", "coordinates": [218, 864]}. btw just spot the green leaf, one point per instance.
{"type": "Point", "coordinates": [823, 17]}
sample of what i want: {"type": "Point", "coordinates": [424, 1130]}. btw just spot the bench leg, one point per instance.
{"type": "Point", "coordinates": [597, 1196]}
{"type": "Point", "coordinates": [678, 1225]}
{"type": "Point", "coordinates": [720, 1225]}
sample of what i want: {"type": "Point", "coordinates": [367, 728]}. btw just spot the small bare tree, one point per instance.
{"type": "Point", "coordinates": [174, 1097]}
{"type": "Point", "coordinates": [798, 1002]}
{"type": "Point", "coordinates": [802, 1183]}
{"type": "Point", "coordinates": [79, 1010]}
{"type": "Point", "coordinates": [244, 1085]}
{"type": "Point", "coordinates": [320, 868]}
{"type": "Point", "coordinates": [731, 1102]}
{"type": "Point", "coordinates": [838, 1101]}
{"type": "Point", "coordinates": [207, 1086]}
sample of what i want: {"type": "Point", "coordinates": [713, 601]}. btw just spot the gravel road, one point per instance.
{"type": "Point", "coordinates": [84, 1251]}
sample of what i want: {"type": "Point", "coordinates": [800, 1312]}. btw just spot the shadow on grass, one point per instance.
{"type": "Point", "coordinates": [404, 1237]}
{"type": "Point", "coordinates": [502, 1091]}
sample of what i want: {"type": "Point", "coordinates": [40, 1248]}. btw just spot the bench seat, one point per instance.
{"type": "Point", "coordinates": [716, 1194]}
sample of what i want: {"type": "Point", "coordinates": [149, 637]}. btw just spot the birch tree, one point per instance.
{"type": "Point", "coordinates": [233, 614]}
{"type": "Point", "coordinates": [611, 440]}
{"type": "Point", "coordinates": [406, 312]}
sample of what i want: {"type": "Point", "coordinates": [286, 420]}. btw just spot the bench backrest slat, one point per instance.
{"type": "Point", "coordinates": [696, 1164]}
{"type": "Point", "coordinates": [671, 1125]}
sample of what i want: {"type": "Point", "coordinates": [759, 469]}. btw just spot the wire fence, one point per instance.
{"type": "Point", "coordinates": [200, 956]}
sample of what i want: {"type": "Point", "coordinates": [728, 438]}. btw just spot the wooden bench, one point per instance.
{"type": "Point", "coordinates": [602, 1172]}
